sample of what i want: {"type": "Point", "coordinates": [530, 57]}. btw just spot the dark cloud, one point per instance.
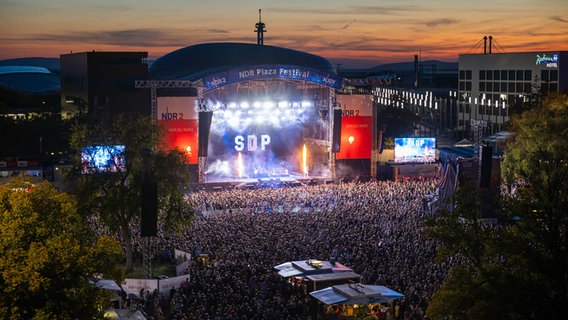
{"type": "Point", "coordinates": [348, 24]}
{"type": "Point", "coordinates": [134, 37]}
{"type": "Point", "coordinates": [441, 22]}
{"type": "Point", "coordinates": [350, 10]}
{"type": "Point", "coordinates": [559, 19]}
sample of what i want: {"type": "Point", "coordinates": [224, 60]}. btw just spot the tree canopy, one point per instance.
{"type": "Point", "coordinates": [114, 198]}
{"type": "Point", "coordinates": [49, 257]}
{"type": "Point", "coordinates": [517, 269]}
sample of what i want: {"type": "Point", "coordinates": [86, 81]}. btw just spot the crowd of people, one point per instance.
{"type": "Point", "coordinates": [372, 227]}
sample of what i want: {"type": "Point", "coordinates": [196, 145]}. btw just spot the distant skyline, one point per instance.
{"type": "Point", "coordinates": [361, 33]}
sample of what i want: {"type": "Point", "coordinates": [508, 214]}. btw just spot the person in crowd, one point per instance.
{"type": "Point", "coordinates": [373, 227]}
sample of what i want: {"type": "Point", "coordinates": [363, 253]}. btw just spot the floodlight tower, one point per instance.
{"type": "Point", "coordinates": [260, 29]}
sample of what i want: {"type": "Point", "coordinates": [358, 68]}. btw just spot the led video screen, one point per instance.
{"type": "Point", "coordinates": [414, 150]}
{"type": "Point", "coordinates": [102, 158]}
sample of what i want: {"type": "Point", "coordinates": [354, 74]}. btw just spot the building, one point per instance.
{"type": "Point", "coordinates": [103, 82]}
{"type": "Point", "coordinates": [490, 83]}
{"type": "Point", "coordinates": [28, 90]}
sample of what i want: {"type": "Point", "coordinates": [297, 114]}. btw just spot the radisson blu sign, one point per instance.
{"type": "Point", "coordinates": [549, 61]}
{"type": "Point", "coordinates": [231, 76]}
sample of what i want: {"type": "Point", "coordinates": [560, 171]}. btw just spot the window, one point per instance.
{"type": "Point", "coordinates": [528, 87]}
{"type": "Point", "coordinates": [462, 74]}
{"type": "Point", "coordinates": [468, 85]}
{"type": "Point", "coordinates": [503, 87]}
{"type": "Point", "coordinates": [520, 87]}
{"type": "Point", "coordinates": [489, 75]}
{"type": "Point", "coordinates": [520, 75]}
{"type": "Point", "coordinates": [504, 75]}
{"type": "Point", "coordinates": [554, 75]}
{"type": "Point", "coordinates": [482, 86]}
{"type": "Point", "coordinates": [496, 86]}
{"type": "Point", "coordinates": [544, 75]}
{"type": "Point", "coordinates": [528, 75]}
{"type": "Point", "coordinates": [511, 87]}
{"type": "Point", "coordinates": [496, 75]}
{"type": "Point", "coordinates": [468, 74]}
{"type": "Point", "coordinates": [512, 75]}
{"type": "Point", "coordinates": [481, 74]}
{"type": "Point", "coordinates": [489, 86]}
{"type": "Point", "coordinates": [462, 85]}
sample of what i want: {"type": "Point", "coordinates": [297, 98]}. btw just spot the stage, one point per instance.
{"type": "Point", "coordinates": [218, 183]}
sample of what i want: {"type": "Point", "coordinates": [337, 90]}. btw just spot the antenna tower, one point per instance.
{"type": "Point", "coordinates": [260, 29]}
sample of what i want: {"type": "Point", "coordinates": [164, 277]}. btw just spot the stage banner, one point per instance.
{"type": "Point", "coordinates": [278, 71]}
{"type": "Point", "coordinates": [134, 286]}
{"type": "Point", "coordinates": [178, 115]}
{"type": "Point", "coordinates": [356, 126]}
{"type": "Point", "coordinates": [165, 285]}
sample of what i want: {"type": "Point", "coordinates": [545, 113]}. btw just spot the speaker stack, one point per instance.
{"type": "Point", "coordinates": [205, 118]}
{"type": "Point", "coordinates": [336, 136]}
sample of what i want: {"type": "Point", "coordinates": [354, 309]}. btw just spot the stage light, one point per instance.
{"type": "Point", "coordinates": [233, 122]}
{"type": "Point", "coordinates": [244, 105]}
{"type": "Point", "coordinates": [256, 104]}
{"type": "Point", "coordinates": [351, 139]}
{"type": "Point", "coordinates": [283, 104]}
{"type": "Point", "coordinates": [306, 104]}
{"type": "Point", "coordinates": [232, 105]}
{"type": "Point", "coordinates": [268, 104]}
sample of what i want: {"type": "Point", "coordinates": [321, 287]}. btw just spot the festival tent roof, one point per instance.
{"type": "Point", "coordinates": [463, 143]}
{"type": "Point", "coordinates": [309, 267]}
{"type": "Point", "coordinates": [108, 284]}
{"type": "Point", "coordinates": [124, 314]}
{"type": "Point", "coordinates": [356, 293]}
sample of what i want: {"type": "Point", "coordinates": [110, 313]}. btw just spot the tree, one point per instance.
{"type": "Point", "coordinates": [48, 255]}
{"type": "Point", "coordinates": [536, 169]}
{"type": "Point", "coordinates": [114, 198]}
{"type": "Point", "coordinates": [519, 268]}
{"type": "Point", "coordinates": [472, 288]}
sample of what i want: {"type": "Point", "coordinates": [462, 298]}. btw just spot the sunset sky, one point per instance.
{"type": "Point", "coordinates": [370, 32]}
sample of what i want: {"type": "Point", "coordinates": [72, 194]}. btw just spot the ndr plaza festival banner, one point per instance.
{"type": "Point", "coordinates": [178, 116]}
{"type": "Point", "coordinates": [356, 126]}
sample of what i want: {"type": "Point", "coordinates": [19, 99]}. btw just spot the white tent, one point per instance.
{"type": "Point", "coordinates": [108, 285]}
{"type": "Point", "coordinates": [356, 293]}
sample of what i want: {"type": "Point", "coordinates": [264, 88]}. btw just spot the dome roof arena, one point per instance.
{"type": "Point", "coordinates": [194, 62]}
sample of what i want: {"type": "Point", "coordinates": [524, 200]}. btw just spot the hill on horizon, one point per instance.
{"type": "Point", "coordinates": [53, 65]}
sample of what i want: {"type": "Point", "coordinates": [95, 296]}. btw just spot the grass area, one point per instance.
{"type": "Point", "coordinates": [166, 269]}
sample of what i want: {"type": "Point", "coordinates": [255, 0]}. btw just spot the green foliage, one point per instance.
{"type": "Point", "coordinates": [48, 255]}
{"type": "Point", "coordinates": [536, 168]}
{"type": "Point", "coordinates": [518, 269]}
{"type": "Point", "coordinates": [114, 197]}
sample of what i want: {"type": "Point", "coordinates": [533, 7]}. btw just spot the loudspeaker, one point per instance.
{"type": "Point", "coordinates": [485, 172]}
{"type": "Point", "coordinates": [336, 136]}
{"type": "Point", "coordinates": [205, 118]}
{"type": "Point", "coordinates": [381, 142]}
{"type": "Point", "coordinates": [149, 217]}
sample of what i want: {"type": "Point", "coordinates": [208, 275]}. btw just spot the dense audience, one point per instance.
{"type": "Point", "coordinates": [372, 227]}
